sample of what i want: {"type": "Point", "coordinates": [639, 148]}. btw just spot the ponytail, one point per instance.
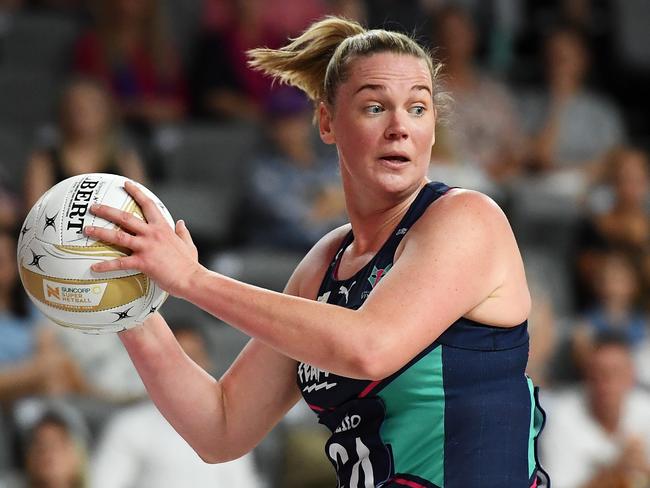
{"type": "Point", "coordinates": [317, 61]}
{"type": "Point", "coordinates": [303, 62]}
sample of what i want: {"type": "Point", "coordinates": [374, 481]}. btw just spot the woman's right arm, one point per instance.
{"type": "Point", "coordinates": [220, 419]}
{"type": "Point", "coordinates": [223, 420]}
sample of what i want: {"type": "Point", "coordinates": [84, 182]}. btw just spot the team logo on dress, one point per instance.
{"type": "Point", "coordinates": [378, 274]}
{"type": "Point", "coordinates": [346, 291]}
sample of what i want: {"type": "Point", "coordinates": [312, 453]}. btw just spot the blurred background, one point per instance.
{"type": "Point", "coordinates": [550, 117]}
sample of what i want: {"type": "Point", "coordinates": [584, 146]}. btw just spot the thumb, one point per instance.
{"type": "Point", "coordinates": [183, 233]}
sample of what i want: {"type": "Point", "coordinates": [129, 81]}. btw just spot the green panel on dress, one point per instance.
{"type": "Point", "coordinates": [536, 423]}
{"type": "Point", "coordinates": [415, 419]}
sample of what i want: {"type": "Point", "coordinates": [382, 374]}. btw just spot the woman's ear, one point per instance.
{"type": "Point", "coordinates": [325, 124]}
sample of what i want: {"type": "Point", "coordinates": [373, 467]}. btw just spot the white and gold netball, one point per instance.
{"type": "Point", "coordinates": [54, 258]}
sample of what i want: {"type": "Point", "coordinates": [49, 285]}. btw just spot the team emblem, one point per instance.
{"type": "Point", "coordinates": [378, 274]}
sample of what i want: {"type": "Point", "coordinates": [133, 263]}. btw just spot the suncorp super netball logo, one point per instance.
{"type": "Point", "coordinates": [73, 295]}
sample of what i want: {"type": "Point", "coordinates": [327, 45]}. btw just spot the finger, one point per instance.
{"type": "Point", "coordinates": [149, 208]}
{"type": "Point", "coordinates": [111, 236]}
{"type": "Point", "coordinates": [129, 262]}
{"type": "Point", "coordinates": [125, 220]}
{"type": "Point", "coordinates": [184, 233]}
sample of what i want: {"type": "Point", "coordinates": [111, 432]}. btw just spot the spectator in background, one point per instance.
{"type": "Point", "coordinates": [55, 453]}
{"type": "Point", "coordinates": [615, 312]}
{"type": "Point", "coordinates": [570, 128]}
{"type": "Point", "coordinates": [139, 448]}
{"type": "Point", "coordinates": [31, 361]}
{"type": "Point", "coordinates": [295, 195]}
{"type": "Point", "coordinates": [594, 19]}
{"type": "Point", "coordinates": [482, 139]}
{"type": "Point", "coordinates": [131, 51]}
{"type": "Point", "coordinates": [350, 9]}
{"type": "Point", "coordinates": [600, 435]}
{"type": "Point", "coordinates": [296, 15]}
{"type": "Point", "coordinates": [619, 219]}
{"type": "Point", "coordinates": [87, 143]}
{"type": "Point", "coordinates": [224, 85]}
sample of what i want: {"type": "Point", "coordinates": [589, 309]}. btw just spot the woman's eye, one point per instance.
{"type": "Point", "coordinates": [374, 109]}
{"type": "Point", "coordinates": [418, 110]}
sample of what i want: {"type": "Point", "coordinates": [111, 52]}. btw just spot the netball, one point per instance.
{"type": "Point", "coordinates": [54, 258]}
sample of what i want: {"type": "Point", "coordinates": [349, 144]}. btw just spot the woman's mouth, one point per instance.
{"type": "Point", "coordinates": [395, 159]}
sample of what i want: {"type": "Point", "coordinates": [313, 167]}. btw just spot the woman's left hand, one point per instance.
{"type": "Point", "coordinates": [167, 256]}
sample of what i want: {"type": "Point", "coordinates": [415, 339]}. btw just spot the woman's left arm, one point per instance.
{"type": "Point", "coordinates": [452, 261]}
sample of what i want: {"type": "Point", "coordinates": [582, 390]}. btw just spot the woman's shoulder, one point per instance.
{"type": "Point", "coordinates": [460, 207]}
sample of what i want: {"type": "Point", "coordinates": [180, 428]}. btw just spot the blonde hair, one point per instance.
{"type": "Point", "coordinates": [317, 61]}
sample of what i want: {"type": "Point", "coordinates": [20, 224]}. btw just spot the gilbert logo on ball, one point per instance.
{"type": "Point", "coordinates": [54, 258]}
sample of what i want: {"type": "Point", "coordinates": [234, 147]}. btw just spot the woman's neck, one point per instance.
{"type": "Point", "coordinates": [90, 149]}
{"type": "Point", "coordinates": [373, 223]}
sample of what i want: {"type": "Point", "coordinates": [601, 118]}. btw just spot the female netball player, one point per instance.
{"type": "Point", "coordinates": [405, 331]}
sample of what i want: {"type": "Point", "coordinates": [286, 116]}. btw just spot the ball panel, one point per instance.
{"type": "Point", "coordinates": [85, 295]}
{"type": "Point", "coordinates": [47, 259]}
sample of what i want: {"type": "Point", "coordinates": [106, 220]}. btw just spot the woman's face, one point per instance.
{"type": "Point", "coordinates": [52, 457]}
{"type": "Point", "coordinates": [632, 179]}
{"type": "Point", "coordinates": [85, 112]}
{"type": "Point", "coordinates": [458, 37]}
{"type": "Point", "coordinates": [566, 59]}
{"type": "Point", "coordinates": [383, 122]}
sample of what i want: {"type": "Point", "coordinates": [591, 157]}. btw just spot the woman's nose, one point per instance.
{"type": "Point", "coordinates": [396, 128]}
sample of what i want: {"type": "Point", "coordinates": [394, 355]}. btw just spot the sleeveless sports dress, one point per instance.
{"type": "Point", "coordinates": [461, 414]}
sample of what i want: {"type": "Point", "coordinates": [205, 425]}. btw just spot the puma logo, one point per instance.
{"type": "Point", "coordinates": [346, 291]}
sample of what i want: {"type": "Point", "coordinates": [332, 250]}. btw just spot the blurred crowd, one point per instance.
{"type": "Point", "coordinates": [548, 113]}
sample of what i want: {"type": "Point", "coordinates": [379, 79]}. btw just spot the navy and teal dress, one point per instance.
{"type": "Point", "coordinates": [461, 414]}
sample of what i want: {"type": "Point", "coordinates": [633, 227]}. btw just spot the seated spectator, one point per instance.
{"type": "Point", "coordinates": [131, 52]}
{"type": "Point", "coordinates": [218, 15]}
{"type": "Point", "coordinates": [224, 85]}
{"type": "Point", "coordinates": [482, 136]}
{"type": "Point", "coordinates": [350, 9]}
{"type": "Point", "coordinates": [571, 129]}
{"type": "Point", "coordinates": [599, 435]}
{"type": "Point", "coordinates": [615, 312]}
{"type": "Point", "coordinates": [54, 451]}
{"type": "Point", "coordinates": [31, 360]}
{"type": "Point", "coordinates": [294, 193]}
{"type": "Point", "coordinates": [619, 220]}
{"type": "Point", "coordinates": [140, 448]}
{"type": "Point", "coordinates": [87, 143]}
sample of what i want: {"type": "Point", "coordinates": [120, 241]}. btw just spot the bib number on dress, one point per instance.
{"type": "Point", "coordinates": [355, 448]}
